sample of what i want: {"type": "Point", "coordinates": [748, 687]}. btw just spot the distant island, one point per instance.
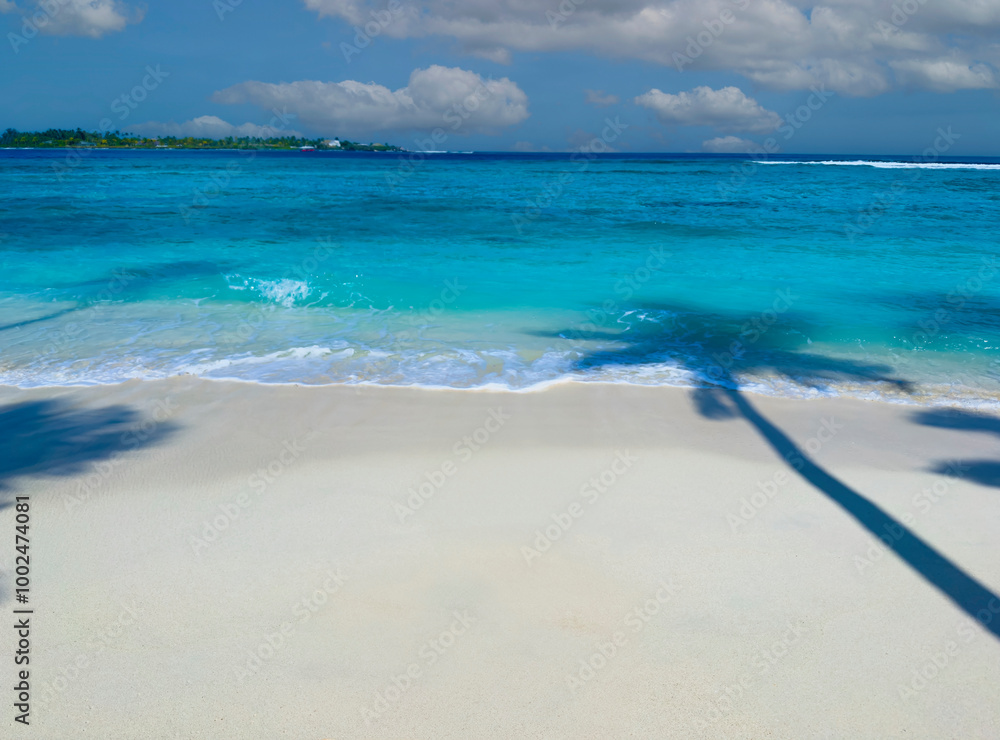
{"type": "Point", "coordinates": [62, 138]}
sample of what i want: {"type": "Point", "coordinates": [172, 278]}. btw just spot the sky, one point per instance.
{"type": "Point", "coordinates": [874, 77]}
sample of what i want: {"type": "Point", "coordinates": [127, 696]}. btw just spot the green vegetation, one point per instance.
{"type": "Point", "coordinates": [54, 137]}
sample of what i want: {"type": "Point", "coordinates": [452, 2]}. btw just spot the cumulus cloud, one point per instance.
{"type": "Point", "coordinates": [727, 109]}
{"type": "Point", "coordinates": [981, 15]}
{"type": "Point", "coordinates": [437, 97]}
{"type": "Point", "coordinates": [784, 44]}
{"type": "Point", "coordinates": [92, 18]}
{"type": "Point", "coordinates": [598, 98]}
{"type": "Point", "coordinates": [210, 127]}
{"type": "Point", "coordinates": [729, 145]}
{"type": "Point", "coordinates": [944, 75]}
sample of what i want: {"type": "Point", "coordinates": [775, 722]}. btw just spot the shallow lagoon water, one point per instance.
{"type": "Point", "coordinates": [876, 279]}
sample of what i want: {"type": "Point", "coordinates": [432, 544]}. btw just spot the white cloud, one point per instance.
{"type": "Point", "coordinates": [210, 127]}
{"type": "Point", "coordinates": [730, 145]}
{"type": "Point", "coordinates": [598, 98]}
{"type": "Point", "coordinates": [785, 44]}
{"type": "Point", "coordinates": [983, 14]}
{"type": "Point", "coordinates": [944, 75]}
{"type": "Point", "coordinates": [495, 54]}
{"type": "Point", "coordinates": [349, 10]}
{"type": "Point", "coordinates": [727, 109]}
{"type": "Point", "coordinates": [92, 18]}
{"type": "Point", "coordinates": [437, 97]}
{"type": "Point", "coordinates": [852, 78]}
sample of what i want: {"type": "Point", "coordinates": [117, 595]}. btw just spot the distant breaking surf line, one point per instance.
{"type": "Point", "coordinates": [892, 165]}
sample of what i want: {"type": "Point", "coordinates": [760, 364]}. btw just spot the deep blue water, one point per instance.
{"type": "Point", "coordinates": [871, 277]}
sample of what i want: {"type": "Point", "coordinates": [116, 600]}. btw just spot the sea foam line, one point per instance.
{"type": "Point", "coordinates": [891, 165]}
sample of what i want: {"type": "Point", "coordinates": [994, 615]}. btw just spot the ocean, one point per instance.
{"type": "Point", "coordinates": [871, 277]}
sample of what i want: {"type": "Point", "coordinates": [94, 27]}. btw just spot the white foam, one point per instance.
{"type": "Point", "coordinates": [248, 359]}
{"type": "Point", "coordinates": [319, 366]}
{"type": "Point", "coordinates": [890, 165]}
{"type": "Point", "coordinates": [284, 292]}
{"type": "Point", "coordinates": [342, 362]}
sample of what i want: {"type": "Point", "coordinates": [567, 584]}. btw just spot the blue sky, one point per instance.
{"type": "Point", "coordinates": [676, 75]}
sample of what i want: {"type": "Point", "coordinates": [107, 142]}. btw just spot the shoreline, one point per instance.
{"type": "Point", "coordinates": [385, 562]}
{"type": "Point", "coordinates": [864, 393]}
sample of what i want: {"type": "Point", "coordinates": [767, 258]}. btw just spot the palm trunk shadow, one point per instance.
{"type": "Point", "coordinates": [965, 592]}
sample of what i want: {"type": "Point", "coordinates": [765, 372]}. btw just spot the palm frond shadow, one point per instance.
{"type": "Point", "coordinates": [51, 437]}
{"type": "Point", "coordinates": [983, 472]}
{"type": "Point", "coordinates": [714, 348]}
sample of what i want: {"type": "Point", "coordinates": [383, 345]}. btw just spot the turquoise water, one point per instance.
{"type": "Point", "coordinates": [857, 277]}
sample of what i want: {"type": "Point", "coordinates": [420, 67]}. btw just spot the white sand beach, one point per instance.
{"type": "Point", "coordinates": [228, 560]}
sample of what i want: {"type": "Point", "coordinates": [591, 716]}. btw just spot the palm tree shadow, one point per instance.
{"type": "Point", "coordinates": [714, 347]}
{"type": "Point", "coordinates": [40, 319]}
{"type": "Point", "coordinates": [984, 472]}
{"type": "Point", "coordinates": [51, 437]}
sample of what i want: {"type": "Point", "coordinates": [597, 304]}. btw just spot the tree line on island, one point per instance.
{"type": "Point", "coordinates": [56, 138]}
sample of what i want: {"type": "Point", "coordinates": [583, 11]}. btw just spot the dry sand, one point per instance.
{"type": "Point", "coordinates": [224, 560]}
